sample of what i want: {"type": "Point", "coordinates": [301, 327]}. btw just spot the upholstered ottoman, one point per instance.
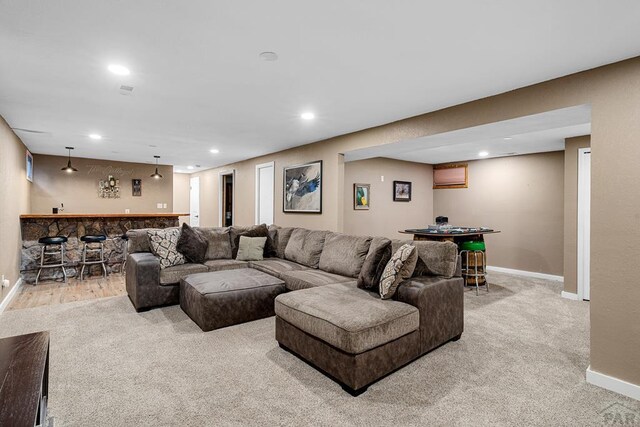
{"type": "Point", "coordinates": [223, 298]}
{"type": "Point", "coordinates": [349, 333]}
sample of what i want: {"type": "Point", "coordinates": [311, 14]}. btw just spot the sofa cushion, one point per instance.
{"type": "Point", "coordinates": [164, 245]}
{"type": "Point", "coordinates": [270, 247]}
{"type": "Point", "coordinates": [311, 278]}
{"type": "Point", "coordinates": [172, 275]}
{"type": "Point", "coordinates": [344, 254]}
{"type": "Point", "coordinates": [281, 238]}
{"type": "Point", "coordinates": [305, 247]}
{"type": "Point", "coordinates": [399, 268]}
{"type": "Point", "coordinates": [251, 248]}
{"type": "Point", "coordinates": [219, 240]}
{"type": "Point", "coordinates": [436, 258]}
{"type": "Point", "coordinates": [276, 266]}
{"type": "Point", "coordinates": [225, 264]}
{"type": "Point", "coordinates": [192, 244]}
{"type": "Point", "coordinates": [139, 240]}
{"type": "Point", "coordinates": [252, 231]}
{"type": "Point", "coordinates": [351, 319]}
{"type": "Point", "coordinates": [377, 259]}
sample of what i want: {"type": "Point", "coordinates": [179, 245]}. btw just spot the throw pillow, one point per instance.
{"type": "Point", "coordinates": [374, 265]}
{"type": "Point", "coordinates": [251, 248]}
{"type": "Point", "coordinates": [192, 244]}
{"type": "Point", "coordinates": [254, 231]}
{"type": "Point", "coordinates": [164, 245]}
{"type": "Point", "coordinates": [436, 259]}
{"type": "Point", "coordinates": [400, 267]}
{"type": "Point", "coordinates": [219, 241]}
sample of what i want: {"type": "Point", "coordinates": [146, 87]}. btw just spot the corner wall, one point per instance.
{"type": "Point", "coordinates": [14, 200]}
{"type": "Point", "coordinates": [386, 217]}
{"type": "Point", "coordinates": [79, 191]}
{"type": "Point", "coordinates": [181, 195]}
{"type": "Point", "coordinates": [522, 196]}
{"type": "Point", "coordinates": [570, 267]}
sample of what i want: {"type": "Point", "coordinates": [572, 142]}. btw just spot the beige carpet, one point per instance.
{"type": "Point", "coordinates": [521, 361]}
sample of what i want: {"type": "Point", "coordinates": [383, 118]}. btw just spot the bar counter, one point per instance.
{"type": "Point", "coordinates": [74, 226]}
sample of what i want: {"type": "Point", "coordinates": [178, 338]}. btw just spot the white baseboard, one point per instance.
{"type": "Point", "coordinates": [526, 273]}
{"type": "Point", "coordinates": [570, 295]}
{"type": "Point", "coordinates": [614, 384]}
{"type": "Point", "coordinates": [12, 293]}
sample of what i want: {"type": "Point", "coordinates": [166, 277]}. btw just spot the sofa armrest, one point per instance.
{"type": "Point", "coordinates": [142, 277]}
{"type": "Point", "coordinates": [440, 302]}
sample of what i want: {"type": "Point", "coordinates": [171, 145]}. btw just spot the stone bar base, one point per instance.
{"type": "Point", "coordinates": [74, 228]}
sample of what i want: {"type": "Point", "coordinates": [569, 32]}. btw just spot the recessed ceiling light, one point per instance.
{"type": "Point", "coordinates": [120, 70]}
{"type": "Point", "coordinates": [268, 56]}
{"type": "Point", "coordinates": [308, 116]}
{"type": "Point", "coordinates": [214, 151]}
{"type": "Point", "coordinates": [508, 138]}
{"type": "Point", "coordinates": [190, 167]}
{"type": "Point", "coordinates": [95, 136]}
{"type": "Point", "coordinates": [483, 153]}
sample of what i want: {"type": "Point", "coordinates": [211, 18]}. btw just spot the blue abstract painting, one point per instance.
{"type": "Point", "coordinates": [303, 188]}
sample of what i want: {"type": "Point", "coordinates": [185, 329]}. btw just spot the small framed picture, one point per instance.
{"type": "Point", "coordinates": [401, 191]}
{"type": "Point", "coordinates": [361, 196]}
{"type": "Point", "coordinates": [29, 166]}
{"type": "Point", "coordinates": [136, 187]}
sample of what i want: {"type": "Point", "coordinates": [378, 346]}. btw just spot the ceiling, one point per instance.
{"type": "Point", "coordinates": [199, 83]}
{"type": "Point", "coordinates": [536, 133]}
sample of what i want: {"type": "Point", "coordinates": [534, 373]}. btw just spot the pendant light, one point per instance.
{"type": "Point", "coordinates": [69, 168]}
{"type": "Point", "coordinates": [156, 174]}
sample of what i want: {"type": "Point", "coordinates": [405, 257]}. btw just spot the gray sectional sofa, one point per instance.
{"type": "Point", "coordinates": [347, 332]}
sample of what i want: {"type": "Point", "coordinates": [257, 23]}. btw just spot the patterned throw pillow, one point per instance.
{"type": "Point", "coordinates": [164, 245]}
{"type": "Point", "coordinates": [400, 267]}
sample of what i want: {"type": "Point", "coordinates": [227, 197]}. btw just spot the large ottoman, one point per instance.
{"type": "Point", "coordinates": [223, 298]}
{"type": "Point", "coordinates": [349, 333]}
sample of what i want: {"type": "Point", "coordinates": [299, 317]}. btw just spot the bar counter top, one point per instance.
{"type": "Point", "coordinates": [104, 215]}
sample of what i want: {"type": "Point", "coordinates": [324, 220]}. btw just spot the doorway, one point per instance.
{"type": "Point", "coordinates": [584, 224]}
{"type": "Point", "coordinates": [264, 193]}
{"type": "Point", "coordinates": [227, 198]}
{"type": "Point", "coordinates": [194, 201]}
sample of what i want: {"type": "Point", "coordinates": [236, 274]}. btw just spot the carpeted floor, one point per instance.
{"type": "Point", "coordinates": [521, 361]}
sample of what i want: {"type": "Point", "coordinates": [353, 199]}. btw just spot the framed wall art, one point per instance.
{"type": "Point", "coordinates": [136, 187]}
{"type": "Point", "coordinates": [302, 188]}
{"type": "Point", "coordinates": [401, 191]}
{"type": "Point", "coordinates": [361, 196]}
{"type": "Point", "coordinates": [29, 159]}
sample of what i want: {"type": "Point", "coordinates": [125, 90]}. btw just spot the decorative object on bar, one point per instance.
{"type": "Point", "coordinates": [156, 174]}
{"type": "Point", "coordinates": [109, 188]}
{"type": "Point", "coordinates": [303, 188]}
{"type": "Point", "coordinates": [69, 168]}
{"type": "Point", "coordinates": [29, 166]}
{"type": "Point", "coordinates": [401, 191]}
{"type": "Point", "coordinates": [361, 196]}
{"type": "Point", "coordinates": [136, 187]}
{"type": "Point", "coordinates": [454, 175]}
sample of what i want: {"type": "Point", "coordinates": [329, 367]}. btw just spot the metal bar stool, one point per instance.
{"type": "Point", "coordinates": [125, 251]}
{"type": "Point", "coordinates": [55, 246]}
{"type": "Point", "coordinates": [476, 271]}
{"type": "Point", "coordinates": [89, 248]}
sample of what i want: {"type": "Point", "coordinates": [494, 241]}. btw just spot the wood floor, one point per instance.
{"type": "Point", "coordinates": [53, 293]}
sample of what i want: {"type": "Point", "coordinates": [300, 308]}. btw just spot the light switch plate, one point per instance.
{"type": "Point", "coordinates": [159, 205]}
{"type": "Point", "coordinates": [164, 206]}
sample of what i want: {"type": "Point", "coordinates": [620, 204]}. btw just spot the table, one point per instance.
{"type": "Point", "coordinates": [24, 379]}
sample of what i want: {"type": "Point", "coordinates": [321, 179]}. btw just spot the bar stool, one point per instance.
{"type": "Point", "coordinates": [476, 271]}
{"type": "Point", "coordinates": [56, 245]}
{"type": "Point", "coordinates": [89, 248]}
{"type": "Point", "coordinates": [125, 251]}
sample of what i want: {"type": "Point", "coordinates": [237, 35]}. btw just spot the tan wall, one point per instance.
{"type": "Point", "coordinates": [522, 196]}
{"type": "Point", "coordinates": [79, 191]}
{"type": "Point", "coordinates": [571, 210]}
{"type": "Point", "coordinates": [181, 194]}
{"type": "Point", "coordinates": [14, 200]}
{"type": "Point", "coordinates": [614, 94]}
{"type": "Point", "coordinates": [386, 217]}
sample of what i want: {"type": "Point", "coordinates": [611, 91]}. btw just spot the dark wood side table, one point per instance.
{"type": "Point", "coordinates": [24, 379]}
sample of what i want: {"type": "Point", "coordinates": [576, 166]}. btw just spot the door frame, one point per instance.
{"type": "Point", "coordinates": [257, 189]}
{"type": "Point", "coordinates": [583, 196]}
{"type": "Point", "coordinates": [191, 178]}
{"type": "Point", "coordinates": [231, 172]}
